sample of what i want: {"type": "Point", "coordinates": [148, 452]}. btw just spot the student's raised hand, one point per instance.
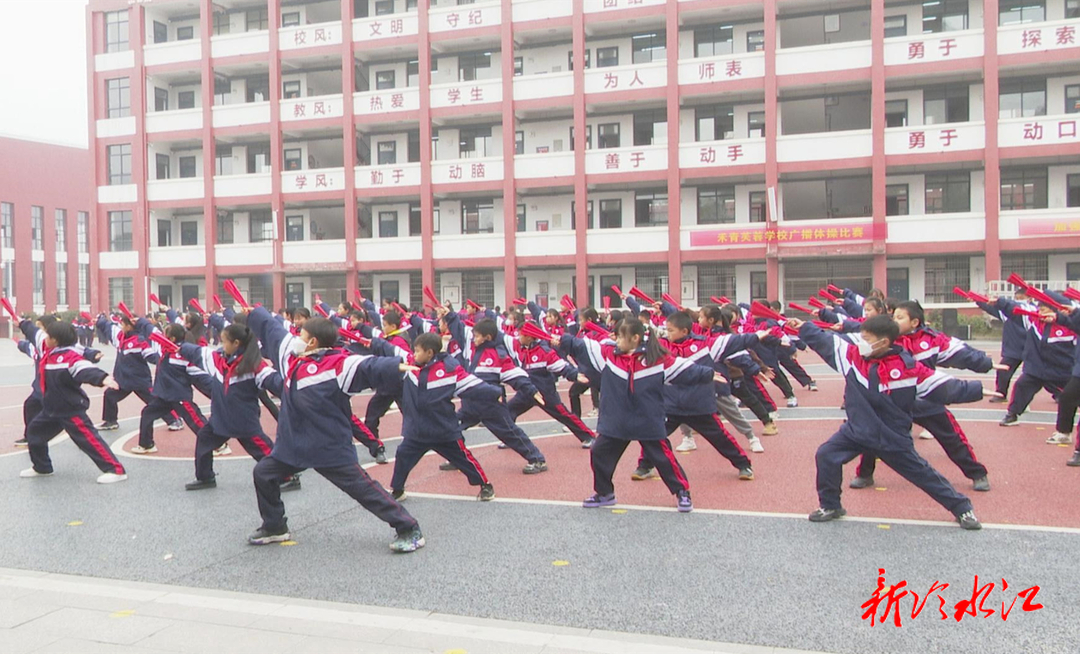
{"type": "Point", "coordinates": [405, 367]}
{"type": "Point", "coordinates": [110, 383]}
{"type": "Point", "coordinates": [768, 373]}
{"type": "Point", "coordinates": [794, 322]}
{"type": "Point", "coordinates": [582, 378]}
{"type": "Point", "coordinates": [987, 393]}
{"type": "Point", "coordinates": [763, 334]}
{"type": "Point", "coordinates": [539, 399]}
{"type": "Point", "coordinates": [1000, 366]}
{"type": "Point", "coordinates": [554, 341]}
{"type": "Point", "coordinates": [97, 357]}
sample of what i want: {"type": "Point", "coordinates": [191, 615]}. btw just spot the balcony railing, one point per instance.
{"type": "Point", "coordinates": [1038, 37]}
{"type": "Point", "coordinates": [309, 36]}
{"type": "Point", "coordinates": [388, 176]}
{"type": "Point", "coordinates": [235, 186]}
{"type": "Point", "coordinates": [927, 48]}
{"type": "Point", "coordinates": [633, 159]}
{"type": "Point", "coordinates": [231, 45]}
{"type": "Point", "coordinates": [707, 154]}
{"type": "Point", "coordinates": [190, 256]}
{"type": "Point", "coordinates": [244, 254]}
{"type": "Point", "coordinates": [189, 188]}
{"type": "Point", "coordinates": [628, 240]}
{"type": "Point", "coordinates": [541, 244]}
{"type": "Point", "coordinates": [312, 108]}
{"type": "Point", "coordinates": [386, 102]}
{"type": "Point", "coordinates": [172, 52]}
{"type": "Point", "coordinates": [544, 85]}
{"type": "Point", "coordinates": [1038, 130]}
{"type": "Point", "coordinates": [823, 58]}
{"type": "Point", "coordinates": [367, 30]}
{"type": "Point", "coordinates": [539, 166]}
{"type": "Point", "coordinates": [1054, 222]}
{"type": "Point", "coordinates": [935, 139]}
{"type": "Point", "coordinates": [937, 228]}
{"type": "Point", "coordinates": [597, 6]}
{"type": "Point", "coordinates": [235, 115]}
{"type": "Point", "coordinates": [526, 10]}
{"type": "Point", "coordinates": [459, 94]}
{"type": "Point", "coordinates": [471, 246]}
{"type": "Point", "coordinates": [626, 78]}
{"type": "Point", "coordinates": [465, 17]}
{"type": "Point", "coordinates": [823, 146]}
{"type": "Point", "coordinates": [405, 248]}
{"type": "Point", "coordinates": [459, 171]}
{"type": "Point", "coordinates": [299, 252]}
{"type": "Point", "coordinates": [313, 181]}
{"type": "Point", "coordinates": [174, 121]}
{"type": "Point", "coordinates": [724, 68]}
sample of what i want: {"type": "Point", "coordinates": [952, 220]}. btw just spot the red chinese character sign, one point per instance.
{"type": "Point", "coordinates": [310, 36]}
{"type": "Point", "coordinates": [757, 233]}
{"type": "Point", "coordinates": [1050, 226]}
{"type": "Point", "coordinates": [1026, 38]}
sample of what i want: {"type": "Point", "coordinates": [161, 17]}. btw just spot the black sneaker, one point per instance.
{"type": "Point", "coordinates": [861, 482]}
{"type": "Point", "coordinates": [998, 400]}
{"type": "Point", "coordinates": [264, 536]}
{"type": "Point", "coordinates": [487, 493]}
{"type": "Point", "coordinates": [969, 521]}
{"type": "Point", "coordinates": [535, 468]}
{"type": "Point", "coordinates": [642, 473]}
{"type": "Point", "coordinates": [21, 441]}
{"type": "Point", "coordinates": [108, 426]}
{"type": "Point", "coordinates": [201, 484]}
{"type": "Point", "coordinates": [446, 465]}
{"type": "Point", "coordinates": [825, 515]}
{"type": "Point", "coordinates": [981, 484]}
{"type": "Point", "coordinates": [409, 541]}
{"type": "Point", "coordinates": [746, 474]}
{"type": "Point", "coordinates": [1009, 420]}
{"type": "Point", "coordinates": [398, 495]}
{"type": "Point", "coordinates": [380, 456]}
{"type": "Point", "coordinates": [1075, 460]}
{"type": "Point", "coordinates": [291, 484]}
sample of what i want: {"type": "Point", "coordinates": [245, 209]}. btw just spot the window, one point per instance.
{"type": "Point", "coordinates": [479, 285]}
{"type": "Point", "coordinates": [519, 142]}
{"type": "Point", "coordinates": [895, 113]}
{"type": "Point", "coordinates": [164, 233]}
{"type": "Point", "coordinates": [755, 41]}
{"type": "Point", "coordinates": [121, 289]}
{"type": "Point", "coordinates": [648, 47]}
{"type": "Point", "coordinates": [258, 88]}
{"type": "Point", "coordinates": [161, 100]}
{"type": "Point", "coordinates": [896, 200]}
{"type": "Point", "coordinates": [895, 26]}
{"type": "Point", "coordinates": [588, 137]}
{"type": "Point", "coordinates": [415, 219]}
{"type": "Point", "coordinates": [472, 65]}
{"type": "Point", "coordinates": [388, 224]}
{"type": "Point", "coordinates": [258, 159]}
{"type": "Point", "coordinates": [223, 160]}
{"type": "Point", "coordinates": [607, 135]}
{"type": "Point", "coordinates": [1072, 271]}
{"type": "Point", "coordinates": [758, 210]}
{"type": "Point", "coordinates": [716, 205]}
{"type": "Point", "coordinates": [714, 280]}
{"type": "Point", "coordinates": [221, 23]}
{"type": "Point", "coordinates": [224, 227]}
{"type": "Point", "coordinates": [384, 7]}
{"type": "Point", "coordinates": [84, 284]}
{"type": "Point", "coordinates": [522, 218]}
{"type": "Point", "coordinates": [38, 270]}
{"type": "Point", "coordinates": [1014, 12]}
{"type": "Point", "coordinates": [651, 279]}
{"type": "Point", "coordinates": [8, 285]}
{"type": "Point", "coordinates": [610, 214]}
{"type": "Point", "coordinates": [162, 168]}
{"type": "Point", "coordinates": [650, 127]}
{"type": "Point", "coordinates": [943, 274]}
{"type": "Point", "coordinates": [606, 282]}
{"type": "Point", "coordinates": [222, 90]}
{"type": "Point", "coordinates": [119, 157]}
{"type": "Point", "coordinates": [37, 228]}
{"type": "Point", "coordinates": [590, 223]}
{"type": "Point", "coordinates": [290, 19]}
{"type": "Point", "coordinates": [185, 100]}
{"type": "Point", "coordinates": [607, 57]}
{"type": "Point", "coordinates": [836, 197]}
{"type": "Point", "coordinates": [294, 159]}
{"type": "Point", "coordinates": [1072, 195]}
{"type": "Point", "coordinates": [477, 216]}
{"type": "Point", "coordinates": [1072, 97]}
{"type": "Point", "coordinates": [387, 152]}
{"type": "Point", "coordinates": [61, 230]}
{"type": "Point", "coordinates": [294, 228]}
{"type": "Point", "coordinates": [474, 142]}
{"type": "Point", "coordinates": [755, 124]}
{"type": "Point", "coordinates": [412, 73]}
{"type": "Point", "coordinates": [118, 97]}
{"type": "Point", "coordinates": [189, 232]}
{"type": "Point", "coordinates": [257, 19]}
{"type": "Point", "coordinates": [948, 193]}
{"type": "Point", "coordinates": [161, 32]}
{"type": "Point", "coordinates": [290, 89]}
{"type": "Point", "coordinates": [7, 225]}
{"type": "Point", "coordinates": [1022, 97]}
{"type": "Point", "coordinates": [260, 227]}
{"type": "Point", "coordinates": [119, 231]}
{"type": "Point", "coordinates": [1028, 265]}
{"type": "Point", "coordinates": [82, 227]}
{"type": "Point", "coordinates": [714, 123]}
{"type": "Point", "coordinates": [944, 16]}
{"type": "Point", "coordinates": [519, 66]}
{"type": "Point", "coordinates": [385, 79]}
{"type": "Point", "coordinates": [413, 145]}
{"type": "Point", "coordinates": [116, 31]}
{"type": "Point", "coordinates": [712, 41]}
{"type": "Point", "coordinates": [187, 167]}
{"type": "Point", "coordinates": [570, 59]}
{"type": "Point", "coordinates": [1023, 188]}
{"type": "Point", "coordinates": [389, 289]}
{"type": "Point", "coordinates": [186, 33]}
{"type": "Point", "coordinates": [1072, 8]}
{"type": "Point", "coordinates": [945, 104]}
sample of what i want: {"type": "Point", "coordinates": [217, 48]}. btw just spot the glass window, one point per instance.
{"type": "Point", "coordinates": [164, 233]}
{"type": "Point", "coordinates": [755, 41]}
{"type": "Point", "coordinates": [121, 289]}
{"type": "Point", "coordinates": [590, 223]}
{"type": "Point", "coordinates": [186, 33]}
{"type": "Point", "coordinates": [187, 167]}
{"type": "Point", "coordinates": [7, 225]}
{"type": "Point", "coordinates": [1072, 97]}
{"type": "Point", "coordinates": [895, 26]}
{"type": "Point", "coordinates": [946, 104]}
{"type": "Point", "coordinates": [650, 209]}
{"type": "Point", "coordinates": [714, 123]}
{"type": "Point", "coordinates": [588, 137]}
{"type": "Point", "coordinates": [648, 47]}
{"type": "Point", "coordinates": [388, 224]}
{"type": "Point", "coordinates": [415, 219]}
{"type": "Point", "coordinates": [387, 152]}
{"type": "Point", "coordinates": [608, 135]}
{"type": "Point", "coordinates": [412, 73]}
{"type": "Point", "coordinates": [385, 79]}
{"type": "Point", "coordinates": [714, 40]}
{"type": "Point", "coordinates": [258, 159]}
{"type": "Point", "coordinates": [162, 170]}
{"type": "Point", "coordinates": [478, 216]}
{"type": "Point", "coordinates": [161, 100]}
{"type": "Point", "coordinates": [570, 59]}
{"type": "Point", "coordinates": [896, 200]}
{"type": "Point", "coordinates": [942, 275]}
{"type": "Point", "coordinates": [119, 231]}
{"type": "Point", "coordinates": [225, 225]}
{"type": "Point", "coordinates": [1022, 97]}
{"type": "Point", "coordinates": [83, 231]}
{"type": "Point", "coordinates": [84, 284]}
{"type": "Point", "coordinates": [185, 100]}
{"type": "Point", "coordinates": [471, 66]}
{"type": "Point", "coordinates": [1029, 265]}
{"type": "Point", "coordinates": [755, 124]}
{"type": "Point", "coordinates": [290, 19]}
{"type": "Point", "coordinates": [189, 232]}
{"type": "Point", "coordinates": [38, 270]}
{"type": "Point", "coordinates": [61, 230]}
{"type": "Point", "coordinates": [221, 22]}
{"type": "Point", "coordinates": [944, 16]}
{"type": "Point", "coordinates": [161, 32]}
{"type": "Point", "coordinates": [948, 192]}
{"type": "Point", "coordinates": [258, 88]}
{"type": "Point", "coordinates": [294, 228]}
{"type": "Point", "coordinates": [474, 142]}
{"type": "Point", "coordinates": [294, 159]}
{"type": "Point", "coordinates": [223, 160]}
{"type": "Point", "coordinates": [1072, 195]}
{"type": "Point", "coordinates": [650, 127]}
{"type": "Point", "coordinates": [714, 280]}
{"type": "Point", "coordinates": [519, 66]}
{"type": "Point", "coordinates": [610, 214]}
{"type": "Point", "coordinates": [758, 212]}
{"type": "Point", "coordinates": [116, 30]}
{"type": "Point", "coordinates": [1013, 12]}
{"type": "Point", "coordinates": [522, 219]}
{"type": "Point", "coordinates": [384, 7]}
{"type": "Point", "coordinates": [257, 19]}
{"type": "Point", "coordinates": [118, 97]}
{"type": "Point", "coordinates": [1023, 188]}
{"type": "Point", "coordinates": [519, 142]}
{"type": "Point", "coordinates": [260, 227]}
{"type": "Point", "coordinates": [37, 228]}
{"type": "Point", "coordinates": [895, 113]}
{"type": "Point", "coordinates": [1072, 8]}
{"type": "Point", "coordinates": [222, 90]}
{"type": "Point", "coordinates": [290, 89]}
{"type": "Point", "coordinates": [716, 205]}
{"type": "Point", "coordinates": [119, 157]}
{"type": "Point", "coordinates": [607, 57]}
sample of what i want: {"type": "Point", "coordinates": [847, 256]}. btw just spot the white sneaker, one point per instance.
{"type": "Point", "coordinates": [792, 402]}
{"type": "Point", "coordinates": [224, 450]}
{"type": "Point", "coordinates": [687, 445]}
{"type": "Point", "coordinates": [756, 446]}
{"type": "Point", "coordinates": [925, 435]}
{"type": "Point", "coordinates": [177, 426]}
{"type": "Point", "coordinates": [774, 416]}
{"type": "Point", "coordinates": [139, 449]}
{"type": "Point", "coordinates": [30, 472]}
{"type": "Point", "coordinates": [1059, 439]}
{"type": "Point", "coordinates": [110, 478]}
{"type": "Point", "coordinates": [592, 414]}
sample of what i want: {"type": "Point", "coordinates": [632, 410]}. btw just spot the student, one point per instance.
{"type": "Point", "coordinates": [1070, 394]}
{"type": "Point", "coordinates": [882, 383]}
{"type": "Point", "coordinates": [788, 353]}
{"type": "Point", "coordinates": [592, 380]}
{"type": "Point", "coordinates": [64, 405]}
{"type": "Point", "coordinates": [172, 393]}
{"type": "Point", "coordinates": [635, 370]}
{"type": "Point", "coordinates": [429, 421]}
{"type": "Point", "coordinates": [134, 355]}
{"type": "Point", "coordinates": [1013, 337]}
{"type": "Point", "coordinates": [398, 336]}
{"type": "Point", "coordinates": [1048, 355]}
{"type": "Point", "coordinates": [313, 429]}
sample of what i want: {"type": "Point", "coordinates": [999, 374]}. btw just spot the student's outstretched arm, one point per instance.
{"type": "Point", "coordinates": [938, 388]}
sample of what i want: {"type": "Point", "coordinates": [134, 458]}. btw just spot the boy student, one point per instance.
{"type": "Point", "coordinates": [64, 405]}
{"type": "Point", "coordinates": [134, 354]}
{"type": "Point", "coordinates": [1048, 358]}
{"type": "Point", "coordinates": [882, 383]}
{"type": "Point", "coordinates": [172, 392]}
{"type": "Point", "coordinates": [1013, 336]}
{"type": "Point", "coordinates": [313, 428]}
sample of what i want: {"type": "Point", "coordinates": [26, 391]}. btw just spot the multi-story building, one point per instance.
{"type": "Point", "coordinates": [541, 147]}
{"type": "Point", "coordinates": [45, 227]}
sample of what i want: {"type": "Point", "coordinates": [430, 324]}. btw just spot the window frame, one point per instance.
{"type": "Point", "coordinates": [120, 236]}
{"type": "Point", "coordinates": [720, 196]}
{"type": "Point", "coordinates": [121, 157]}
{"type": "Point", "coordinates": [122, 94]}
{"type": "Point", "coordinates": [904, 199]}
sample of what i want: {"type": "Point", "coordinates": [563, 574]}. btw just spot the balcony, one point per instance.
{"type": "Point", "coordinates": [598, 6]}
{"type": "Point", "coordinates": [244, 254]}
{"type": "Point", "coordinates": [117, 194]}
{"type": "Point", "coordinates": [109, 127]}
{"type": "Point", "coordinates": [1038, 37]}
{"type": "Point", "coordinates": [107, 61]}
{"type": "Point", "coordinates": [471, 246]}
{"type": "Point", "coordinates": [313, 181]}
{"type": "Point", "coordinates": [547, 85]}
{"type": "Point", "coordinates": [118, 260]}
{"type": "Point", "coordinates": [937, 228]}
{"type": "Point", "coordinates": [457, 19]}
{"type": "Point", "coordinates": [542, 244]}
{"type": "Point", "coordinates": [1054, 222]}
{"type": "Point", "coordinates": [406, 248]}
{"type": "Point", "coordinates": [626, 78]}
{"type": "Point", "coordinates": [823, 58]}
{"type": "Point", "coordinates": [172, 52]}
{"type": "Point", "coordinates": [526, 10]}
{"type": "Point", "coordinates": [1038, 130]}
{"type": "Point", "coordinates": [460, 171]}
{"type": "Point", "coordinates": [388, 176]}
{"type": "Point", "coordinates": [193, 256]}
{"type": "Point", "coordinates": [231, 45]}
{"type": "Point", "coordinates": [635, 239]}
{"type": "Point", "coordinates": [724, 68]}
{"type": "Point", "coordinates": [626, 160]}
{"type": "Point", "coordinates": [235, 115]}
{"type": "Point", "coordinates": [174, 121]}
{"type": "Point", "coordinates": [386, 102]}
{"type": "Point", "coordinates": [935, 139]}
{"type": "Point", "coordinates": [293, 252]}
{"type": "Point", "coordinates": [236, 186]}
{"type": "Point", "coordinates": [190, 188]}
{"type": "Point", "coordinates": [823, 146]}
{"type": "Point", "coordinates": [461, 94]}
{"type": "Point", "coordinates": [325, 106]}
{"type": "Point", "coordinates": [927, 48]}
{"type": "Point", "coordinates": [309, 36]}
{"type": "Point", "coordinates": [372, 30]}
{"type": "Point", "coordinates": [709, 154]}
{"type": "Point", "coordinates": [544, 166]}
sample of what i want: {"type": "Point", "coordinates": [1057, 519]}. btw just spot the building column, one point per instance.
{"type": "Point", "coordinates": [140, 213]}
{"type": "Point", "coordinates": [674, 187]}
{"type": "Point", "coordinates": [427, 198]}
{"type": "Point", "coordinates": [277, 204]}
{"type": "Point", "coordinates": [991, 159]}
{"type": "Point", "coordinates": [772, 170]}
{"type": "Point", "coordinates": [210, 235]}
{"type": "Point", "coordinates": [348, 87]}
{"type": "Point", "coordinates": [877, 123]}
{"type": "Point", "coordinates": [94, 36]}
{"type": "Point", "coordinates": [509, 129]}
{"type": "Point", "coordinates": [581, 204]}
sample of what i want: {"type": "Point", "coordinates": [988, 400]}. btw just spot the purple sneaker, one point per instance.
{"type": "Point", "coordinates": [598, 500]}
{"type": "Point", "coordinates": [685, 505]}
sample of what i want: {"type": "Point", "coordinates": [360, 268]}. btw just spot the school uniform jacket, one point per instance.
{"type": "Point", "coordinates": [1049, 350]}
{"type": "Point", "coordinates": [34, 347]}
{"type": "Point", "coordinates": [234, 399]}
{"type": "Point", "coordinates": [63, 372]}
{"type": "Point", "coordinates": [544, 366]}
{"type": "Point", "coordinates": [491, 361]}
{"type": "Point", "coordinates": [1013, 331]}
{"type": "Point", "coordinates": [709, 352]}
{"type": "Point", "coordinates": [134, 354]}
{"type": "Point", "coordinates": [428, 413]}
{"type": "Point", "coordinates": [852, 303]}
{"type": "Point", "coordinates": [932, 349]}
{"type": "Point", "coordinates": [1072, 322]}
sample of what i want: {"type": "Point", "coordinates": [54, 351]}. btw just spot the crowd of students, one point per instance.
{"type": "Point", "coordinates": [650, 369]}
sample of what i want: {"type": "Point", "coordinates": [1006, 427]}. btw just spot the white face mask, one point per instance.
{"type": "Point", "coordinates": [866, 348]}
{"type": "Point", "coordinates": [298, 346]}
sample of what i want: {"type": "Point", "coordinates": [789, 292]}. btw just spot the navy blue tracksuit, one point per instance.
{"type": "Point", "coordinates": [134, 355]}
{"type": "Point", "coordinates": [33, 346]}
{"type": "Point", "coordinates": [1013, 336]}
{"type": "Point", "coordinates": [1049, 351]}
{"type": "Point", "coordinates": [543, 365]}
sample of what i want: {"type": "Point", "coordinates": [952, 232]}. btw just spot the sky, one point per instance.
{"type": "Point", "coordinates": [44, 76]}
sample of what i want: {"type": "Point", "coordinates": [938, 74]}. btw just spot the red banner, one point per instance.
{"type": "Point", "coordinates": [1049, 227]}
{"type": "Point", "coordinates": [758, 233]}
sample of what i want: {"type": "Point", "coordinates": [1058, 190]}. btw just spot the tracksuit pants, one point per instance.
{"type": "Point", "coordinates": [713, 430]}
{"type": "Point", "coordinates": [158, 409]}
{"type": "Point", "coordinates": [411, 450]}
{"type": "Point", "coordinates": [377, 407]}
{"type": "Point", "coordinates": [841, 448]}
{"type": "Point", "coordinates": [950, 436]}
{"type": "Point", "coordinates": [792, 365]}
{"type": "Point", "coordinates": [350, 478]}
{"type": "Point", "coordinates": [1004, 377]}
{"type": "Point", "coordinates": [554, 407]}
{"type": "Point", "coordinates": [781, 381]}
{"type": "Point", "coordinates": [43, 428]}
{"type": "Point", "coordinates": [111, 408]}
{"type": "Point", "coordinates": [1027, 386]}
{"type": "Point", "coordinates": [607, 450]}
{"type": "Point", "coordinates": [725, 406]}
{"type": "Point", "coordinates": [30, 409]}
{"type": "Point", "coordinates": [742, 389]}
{"type": "Point", "coordinates": [1067, 403]}
{"type": "Point", "coordinates": [364, 436]}
{"type": "Point", "coordinates": [257, 445]}
{"type": "Point", "coordinates": [497, 419]}
{"type": "Point", "coordinates": [577, 389]}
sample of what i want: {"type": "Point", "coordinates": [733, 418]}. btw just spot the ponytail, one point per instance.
{"type": "Point", "coordinates": [654, 351]}
{"type": "Point", "coordinates": [251, 356]}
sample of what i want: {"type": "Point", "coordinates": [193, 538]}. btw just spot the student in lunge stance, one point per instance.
{"type": "Point", "coordinates": [172, 392]}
